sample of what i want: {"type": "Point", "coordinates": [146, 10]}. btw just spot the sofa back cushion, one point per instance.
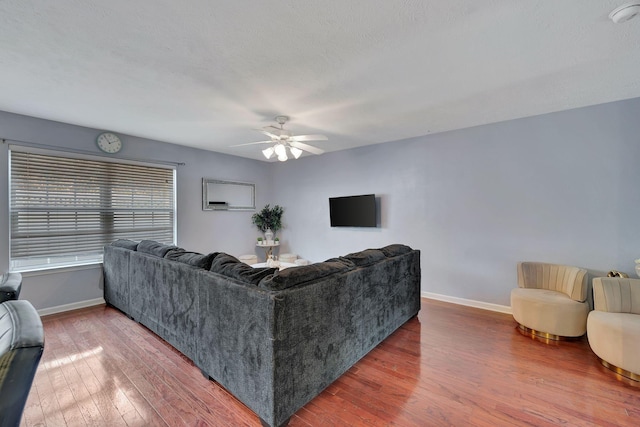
{"type": "Point", "coordinates": [154, 248]}
{"type": "Point", "coordinates": [231, 266]}
{"type": "Point", "coordinates": [395, 250]}
{"type": "Point", "coordinates": [125, 243]}
{"type": "Point", "coordinates": [366, 257]}
{"type": "Point", "coordinates": [569, 280]}
{"type": "Point", "coordinates": [616, 295]}
{"type": "Point", "coordinates": [305, 273]}
{"type": "Point", "coordinates": [191, 258]}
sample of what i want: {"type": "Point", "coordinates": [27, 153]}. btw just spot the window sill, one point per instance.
{"type": "Point", "coordinates": [42, 271]}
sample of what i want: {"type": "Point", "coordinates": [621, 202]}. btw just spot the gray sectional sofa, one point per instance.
{"type": "Point", "coordinates": [274, 339]}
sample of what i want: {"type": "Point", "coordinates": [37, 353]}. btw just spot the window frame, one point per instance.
{"type": "Point", "coordinates": [22, 264]}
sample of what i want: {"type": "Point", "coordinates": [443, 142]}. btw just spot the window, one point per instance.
{"type": "Point", "coordinates": [64, 209]}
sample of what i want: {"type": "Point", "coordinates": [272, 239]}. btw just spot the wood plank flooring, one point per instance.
{"type": "Point", "coordinates": [451, 366]}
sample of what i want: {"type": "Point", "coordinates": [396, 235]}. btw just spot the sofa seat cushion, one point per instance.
{"type": "Point", "coordinates": [615, 338]}
{"type": "Point", "coordinates": [549, 311]}
{"type": "Point", "coordinates": [231, 266]}
{"type": "Point", "coordinates": [195, 259]}
{"type": "Point", "coordinates": [293, 276]}
{"type": "Point", "coordinates": [155, 248]}
{"type": "Point", "coordinates": [125, 243]}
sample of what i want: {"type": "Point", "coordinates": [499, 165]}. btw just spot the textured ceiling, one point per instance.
{"type": "Point", "coordinates": [206, 73]}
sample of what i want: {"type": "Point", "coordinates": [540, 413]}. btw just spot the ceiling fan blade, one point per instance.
{"type": "Point", "coordinates": [269, 134]}
{"type": "Point", "coordinates": [252, 143]}
{"type": "Point", "coordinates": [308, 138]}
{"type": "Point", "coordinates": [306, 147]}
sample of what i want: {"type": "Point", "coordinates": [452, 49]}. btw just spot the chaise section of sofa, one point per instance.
{"type": "Point", "coordinates": [274, 339]}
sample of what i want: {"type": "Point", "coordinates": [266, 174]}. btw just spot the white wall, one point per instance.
{"type": "Point", "coordinates": [561, 188]}
{"type": "Point", "coordinates": [203, 231]}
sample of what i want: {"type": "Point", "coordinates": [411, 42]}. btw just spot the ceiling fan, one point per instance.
{"type": "Point", "coordinates": [283, 140]}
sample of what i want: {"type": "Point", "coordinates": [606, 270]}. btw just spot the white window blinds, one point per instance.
{"type": "Point", "coordinates": [64, 210]}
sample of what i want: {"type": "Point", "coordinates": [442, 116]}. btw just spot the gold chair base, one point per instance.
{"type": "Point", "coordinates": [545, 336]}
{"type": "Point", "coordinates": [620, 371]}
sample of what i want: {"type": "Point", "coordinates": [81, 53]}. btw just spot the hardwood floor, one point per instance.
{"type": "Point", "coordinates": [451, 366]}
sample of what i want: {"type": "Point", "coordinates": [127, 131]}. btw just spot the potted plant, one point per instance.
{"type": "Point", "coordinates": [259, 241]}
{"type": "Point", "coordinates": [268, 220]}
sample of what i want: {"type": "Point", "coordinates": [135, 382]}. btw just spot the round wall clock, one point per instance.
{"type": "Point", "coordinates": [109, 142]}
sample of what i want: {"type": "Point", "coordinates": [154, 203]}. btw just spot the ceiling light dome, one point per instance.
{"type": "Point", "coordinates": [625, 12]}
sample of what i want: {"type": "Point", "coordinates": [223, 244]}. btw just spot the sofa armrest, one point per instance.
{"type": "Point", "coordinates": [10, 285]}
{"type": "Point", "coordinates": [616, 295]}
{"type": "Point", "coordinates": [21, 346]}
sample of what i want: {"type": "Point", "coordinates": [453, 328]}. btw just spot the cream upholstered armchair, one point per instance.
{"type": "Point", "coordinates": [551, 300]}
{"type": "Point", "coordinates": [613, 327]}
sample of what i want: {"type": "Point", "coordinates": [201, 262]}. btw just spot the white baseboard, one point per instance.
{"type": "Point", "coordinates": [468, 302]}
{"type": "Point", "coordinates": [72, 306]}
{"type": "Point", "coordinates": [454, 300]}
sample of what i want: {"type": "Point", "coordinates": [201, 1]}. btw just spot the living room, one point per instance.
{"type": "Point", "coordinates": [557, 186]}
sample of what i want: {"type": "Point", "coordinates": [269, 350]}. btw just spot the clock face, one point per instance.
{"type": "Point", "coordinates": [109, 142]}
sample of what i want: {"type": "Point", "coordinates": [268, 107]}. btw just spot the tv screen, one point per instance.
{"type": "Point", "coordinates": [353, 211]}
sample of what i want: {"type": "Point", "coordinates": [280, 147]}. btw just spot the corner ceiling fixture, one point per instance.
{"type": "Point", "coordinates": [625, 12]}
{"type": "Point", "coordinates": [283, 140]}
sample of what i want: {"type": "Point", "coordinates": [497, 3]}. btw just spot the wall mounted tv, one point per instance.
{"type": "Point", "coordinates": [353, 211]}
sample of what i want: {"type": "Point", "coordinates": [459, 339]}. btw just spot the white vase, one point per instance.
{"type": "Point", "coordinates": [638, 270]}
{"type": "Point", "coordinates": [268, 235]}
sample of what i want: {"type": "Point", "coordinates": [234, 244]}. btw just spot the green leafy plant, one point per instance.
{"type": "Point", "coordinates": [260, 239]}
{"type": "Point", "coordinates": [268, 217]}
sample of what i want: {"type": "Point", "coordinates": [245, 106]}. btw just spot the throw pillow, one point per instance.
{"type": "Point", "coordinates": [154, 248]}
{"type": "Point", "coordinates": [191, 258]}
{"type": "Point", "coordinates": [231, 266]}
{"type": "Point", "coordinates": [395, 250]}
{"type": "Point", "coordinates": [366, 257]}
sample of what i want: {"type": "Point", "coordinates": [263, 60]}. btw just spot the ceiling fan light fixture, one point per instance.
{"type": "Point", "coordinates": [280, 150]}
{"type": "Point", "coordinates": [296, 152]}
{"type": "Point", "coordinates": [283, 157]}
{"type": "Point", "coordinates": [268, 152]}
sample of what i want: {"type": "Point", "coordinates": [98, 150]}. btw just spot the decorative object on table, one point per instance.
{"type": "Point", "coordinates": [615, 273]}
{"type": "Point", "coordinates": [268, 236]}
{"type": "Point", "coordinates": [268, 220]}
{"type": "Point", "coordinates": [638, 267]}
{"type": "Point", "coordinates": [260, 241]}
{"type": "Point", "coordinates": [272, 262]}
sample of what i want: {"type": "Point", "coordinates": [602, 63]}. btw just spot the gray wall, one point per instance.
{"type": "Point", "coordinates": [198, 230]}
{"type": "Point", "coordinates": [561, 188]}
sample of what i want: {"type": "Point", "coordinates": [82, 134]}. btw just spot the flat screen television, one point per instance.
{"type": "Point", "coordinates": [353, 211]}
